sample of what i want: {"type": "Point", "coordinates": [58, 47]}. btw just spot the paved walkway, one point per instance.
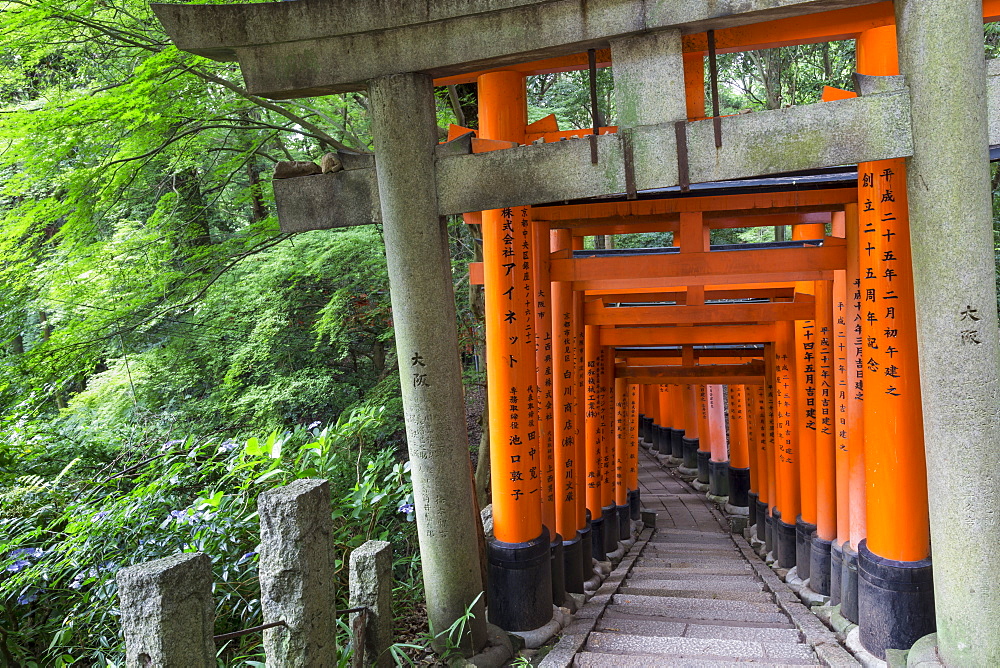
{"type": "Point", "coordinates": [690, 594]}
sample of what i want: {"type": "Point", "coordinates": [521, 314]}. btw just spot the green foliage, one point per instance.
{"type": "Point", "coordinates": [61, 549]}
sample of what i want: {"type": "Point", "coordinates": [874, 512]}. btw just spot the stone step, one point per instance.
{"type": "Point", "coordinates": [639, 627]}
{"type": "Point", "coordinates": [690, 539]}
{"type": "Point", "coordinates": [687, 576]}
{"type": "Point", "coordinates": [744, 583]}
{"type": "Point", "coordinates": [736, 569]}
{"type": "Point", "coordinates": [748, 596]}
{"type": "Point", "coordinates": [699, 608]}
{"type": "Point", "coordinates": [718, 565]}
{"type": "Point", "coordinates": [696, 604]}
{"type": "Point", "coordinates": [690, 548]}
{"type": "Point", "coordinates": [601, 660]}
{"type": "Point", "coordinates": [681, 616]}
{"type": "Point", "coordinates": [746, 650]}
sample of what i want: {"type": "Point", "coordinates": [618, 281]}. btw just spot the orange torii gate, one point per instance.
{"type": "Point", "coordinates": [573, 478]}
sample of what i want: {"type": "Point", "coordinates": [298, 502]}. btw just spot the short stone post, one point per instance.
{"type": "Point", "coordinates": [297, 575]}
{"type": "Point", "coordinates": [371, 587]}
{"type": "Point", "coordinates": [167, 612]}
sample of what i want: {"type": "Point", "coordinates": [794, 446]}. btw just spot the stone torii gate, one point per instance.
{"type": "Point", "coordinates": [313, 47]}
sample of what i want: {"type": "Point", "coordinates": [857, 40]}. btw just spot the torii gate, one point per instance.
{"type": "Point", "coordinates": [309, 47]}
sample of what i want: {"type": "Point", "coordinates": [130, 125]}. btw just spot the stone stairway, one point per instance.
{"type": "Point", "coordinates": [693, 595]}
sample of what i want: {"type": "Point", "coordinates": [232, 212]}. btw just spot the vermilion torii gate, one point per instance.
{"type": "Point", "coordinates": [311, 47]}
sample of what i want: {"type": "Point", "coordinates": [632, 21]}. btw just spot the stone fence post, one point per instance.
{"type": "Point", "coordinates": [167, 612]}
{"type": "Point", "coordinates": [371, 587]}
{"type": "Point", "coordinates": [297, 575]}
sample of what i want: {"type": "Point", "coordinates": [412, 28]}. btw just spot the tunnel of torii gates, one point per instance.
{"type": "Point", "coordinates": [841, 387]}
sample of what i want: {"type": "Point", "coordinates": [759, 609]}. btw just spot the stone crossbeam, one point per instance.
{"type": "Point", "coordinates": [807, 137]}
{"type": "Point", "coordinates": [308, 48]}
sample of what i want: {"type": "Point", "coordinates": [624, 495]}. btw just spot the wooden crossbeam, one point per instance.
{"type": "Point", "coordinates": [746, 263]}
{"type": "Point", "coordinates": [773, 203]}
{"type": "Point", "coordinates": [595, 313]}
{"type": "Point", "coordinates": [654, 354]}
{"type": "Point", "coordinates": [678, 361]}
{"type": "Point", "coordinates": [679, 296]}
{"type": "Point", "coordinates": [679, 336]}
{"type": "Point", "coordinates": [751, 373]}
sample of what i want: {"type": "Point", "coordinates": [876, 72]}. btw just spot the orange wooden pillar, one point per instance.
{"type": "Point", "coordinates": [692, 417]}
{"type": "Point", "coordinates": [622, 431]}
{"type": "Point", "coordinates": [676, 426]}
{"type": "Point", "coordinates": [661, 437]}
{"type": "Point", "coordinates": [786, 453]}
{"type": "Point", "coordinates": [704, 437]}
{"type": "Point", "coordinates": [740, 460]}
{"type": "Point", "coordinates": [807, 418]}
{"type": "Point", "coordinates": [632, 479]}
{"type": "Point", "coordinates": [760, 471]}
{"type": "Point", "coordinates": [826, 463]}
{"type": "Point", "coordinates": [718, 461]}
{"type": "Point", "coordinates": [520, 577]}
{"type": "Point", "coordinates": [894, 560]}
{"type": "Point", "coordinates": [842, 343]}
{"type": "Point", "coordinates": [772, 437]}
{"type": "Point", "coordinates": [594, 454]}
{"type": "Point", "coordinates": [581, 411]}
{"type": "Point", "coordinates": [606, 406]}
{"type": "Point", "coordinates": [544, 413]}
{"type": "Point", "coordinates": [569, 507]}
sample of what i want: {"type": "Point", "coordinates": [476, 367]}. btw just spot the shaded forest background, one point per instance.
{"type": "Point", "coordinates": [166, 354]}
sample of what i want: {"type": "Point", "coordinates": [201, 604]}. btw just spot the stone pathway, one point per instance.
{"type": "Point", "coordinates": [692, 595]}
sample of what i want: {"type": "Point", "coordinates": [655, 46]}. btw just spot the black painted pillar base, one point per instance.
{"type": "Point", "coordinates": [690, 455]}
{"type": "Point", "coordinates": [677, 443]}
{"type": "Point", "coordinates": [597, 550]}
{"type": "Point", "coordinates": [751, 501]}
{"type": "Point", "coordinates": [718, 479]}
{"type": "Point", "coordinates": [624, 522]}
{"type": "Point", "coordinates": [558, 566]}
{"type": "Point", "coordinates": [762, 521]}
{"type": "Point", "coordinates": [819, 565]}
{"type": "Point", "coordinates": [661, 441]}
{"type": "Point", "coordinates": [635, 505]}
{"type": "Point", "coordinates": [587, 550]}
{"type": "Point", "coordinates": [784, 542]}
{"type": "Point", "coordinates": [849, 585]}
{"type": "Point", "coordinates": [803, 547]}
{"type": "Point", "coordinates": [895, 601]}
{"type": "Point", "coordinates": [643, 427]}
{"type": "Point", "coordinates": [739, 489]}
{"type": "Point", "coordinates": [520, 583]}
{"type": "Point", "coordinates": [703, 473]}
{"type": "Point", "coordinates": [573, 573]}
{"type": "Point", "coordinates": [769, 542]}
{"type": "Point", "coordinates": [836, 569]}
{"type": "Point", "coordinates": [610, 515]}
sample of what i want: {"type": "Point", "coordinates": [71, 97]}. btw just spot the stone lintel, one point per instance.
{"type": "Point", "coordinates": [812, 136]}
{"type": "Point", "coordinates": [314, 47]}
{"type": "Point", "coordinates": [327, 201]}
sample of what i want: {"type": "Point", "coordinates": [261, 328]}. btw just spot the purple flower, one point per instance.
{"type": "Point", "coordinates": [27, 552]}
{"type": "Point", "coordinates": [100, 515]}
{"type": "Point", "coordinates": [27, 597]}
{"type": "Point", "coordinates": [228, 446]}
{"type": "Point", "coordinates": [245, 558]}
{"type": "Point", "coordinates": [169, 444]}
{"type": "Point", "coordinates": [18, 565]}
{"type": "Point", "coordinates": [314, 425]}
{"type": "Point", "coordinates": [406, 508]}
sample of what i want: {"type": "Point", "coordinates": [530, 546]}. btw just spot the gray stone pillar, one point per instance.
{"type": "Point", "coordinates": [371, 587]}
{"type": "Point", "coordinates": [167, 612]}
{"type": "Point", "coordinates": [948, 181]}
{"type": "Point", "coordinates": [423, 310]}
{"type": "Point", "coordinates": [649, 79]}
{"type": "Point", "coordinates": [297, 575]}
